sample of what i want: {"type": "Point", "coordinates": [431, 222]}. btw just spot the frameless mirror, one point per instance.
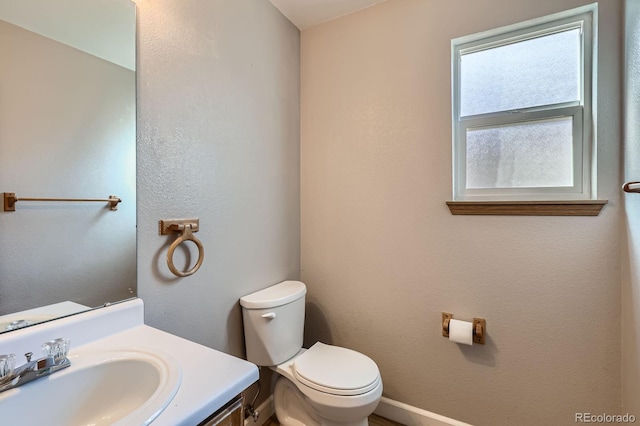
{"type": "Point", "coordinates": [67, 131]}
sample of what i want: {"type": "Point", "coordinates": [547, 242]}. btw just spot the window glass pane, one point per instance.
{"type": "Point", "coordinates": [532, 154]}
{"type": "Point", "coordinates": [540, 71]}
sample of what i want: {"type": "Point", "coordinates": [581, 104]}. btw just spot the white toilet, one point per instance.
{"type": "Point", "coordinates": [322, 385]}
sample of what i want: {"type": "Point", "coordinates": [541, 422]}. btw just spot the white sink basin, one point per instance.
{"type": "Point", "coordinates": [118, 387]}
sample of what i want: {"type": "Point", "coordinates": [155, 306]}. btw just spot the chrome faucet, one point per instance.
{"type": "Point", "coordinates": [54, 359]}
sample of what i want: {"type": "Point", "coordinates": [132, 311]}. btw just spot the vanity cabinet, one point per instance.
{"type": "Point", "coordinates": [229, 415]}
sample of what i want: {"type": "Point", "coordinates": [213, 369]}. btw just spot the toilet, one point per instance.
{"type": "Point", "coordinates": [322, 385]}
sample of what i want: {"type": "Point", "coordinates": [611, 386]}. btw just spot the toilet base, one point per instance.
{"type": "Point", "coordinates": [290, 405]}
{"type": "Point", "coordinates": [293, 408]}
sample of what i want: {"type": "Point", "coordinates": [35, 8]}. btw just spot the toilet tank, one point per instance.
{"type": "Point", "coordinates": [274, 322]}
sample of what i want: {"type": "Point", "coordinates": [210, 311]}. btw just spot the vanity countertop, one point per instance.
{"type": "Point", "coordinates": [209, 378]}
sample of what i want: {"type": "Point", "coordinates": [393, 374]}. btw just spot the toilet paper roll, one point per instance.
{"type": "Point", "coordinates": [461, 332]}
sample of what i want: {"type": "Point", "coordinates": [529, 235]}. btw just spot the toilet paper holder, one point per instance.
{"type": "Point", "coordinates": [479, 327]}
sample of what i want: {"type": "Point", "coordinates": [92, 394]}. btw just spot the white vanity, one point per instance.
{"type": "Point", "coordinates": [123, 372]}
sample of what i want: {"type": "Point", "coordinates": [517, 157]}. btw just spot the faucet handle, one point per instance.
{"type": "Point", "coordinates": [57, 348]}
{"type": "Point", "coordinates": [7, 364]}
{"type": "Point", "coordinates": [14, 325]}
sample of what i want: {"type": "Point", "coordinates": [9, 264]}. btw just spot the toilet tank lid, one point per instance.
{"type": "Point", "coordinates": [276, 295]}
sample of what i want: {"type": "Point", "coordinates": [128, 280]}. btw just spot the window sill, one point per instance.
{"type": "Point", "coordinates": [527, 208]}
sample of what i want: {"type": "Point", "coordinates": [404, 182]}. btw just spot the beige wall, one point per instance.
{"type": "Point", "coordinates": [218, 132]}
{"type": "Point", "coordinates": [631, 254]}
{"type": "Point", "coordinates": [383, 257]}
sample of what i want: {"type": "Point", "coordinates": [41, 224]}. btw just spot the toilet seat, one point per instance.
{"type": "Point", "coordinates": [335, 370]}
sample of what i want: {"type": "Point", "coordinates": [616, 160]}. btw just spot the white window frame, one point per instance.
{"type": "Point", "coordinates": [582, 112]}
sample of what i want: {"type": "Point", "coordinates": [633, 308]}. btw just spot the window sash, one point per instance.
{"type": "Point", "coordinates": [581, 183]}
{"type": "Point", "coordinates": [484, 46]}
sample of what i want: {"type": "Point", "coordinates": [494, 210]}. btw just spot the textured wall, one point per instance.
{"type": "Point", "coordinates": [631, 282]}
{"type": "Point", "coordinates": [218, 132]}
{"type": "Point", "coordinates": [383, 257]}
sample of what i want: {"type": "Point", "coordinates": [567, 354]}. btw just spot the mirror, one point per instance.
{"type": "Point", "coordinates": [67, 130]}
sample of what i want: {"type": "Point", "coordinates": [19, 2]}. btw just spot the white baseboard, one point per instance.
{"type": "Point", "coordinates": [412, 416]}
{"type": "Point", "coordinates": [265, 409]}
{"type": "Point", "coordinates": [388, 408]}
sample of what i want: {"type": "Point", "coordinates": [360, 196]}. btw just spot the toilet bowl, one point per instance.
{"type": "Point", "coordinates": [323, 385]}
{"type": "Point", "coordinates": [340, 386]}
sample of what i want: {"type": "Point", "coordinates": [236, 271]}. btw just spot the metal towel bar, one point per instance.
{"type": "Point", "coordinates": [10, 200]}
{"type": "Point", "coordinates": [632, 187]}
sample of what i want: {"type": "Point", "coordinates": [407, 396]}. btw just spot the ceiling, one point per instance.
{"type": "Point", "coordinates": [307, 13]}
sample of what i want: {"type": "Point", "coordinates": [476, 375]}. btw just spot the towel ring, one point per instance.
{"type": "Point", "coordinates": [185, 235]}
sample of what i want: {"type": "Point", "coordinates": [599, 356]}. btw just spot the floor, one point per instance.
{"type": "Point", "coordinates": [373, 421]}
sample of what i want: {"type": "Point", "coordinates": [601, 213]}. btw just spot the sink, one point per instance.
{"type": "Point", "coordinates": [113, 387]}
{"type": "Point", "coordinates": [122, 373]}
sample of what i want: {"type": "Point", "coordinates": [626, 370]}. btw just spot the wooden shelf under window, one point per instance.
{"type": "Point", "coordinates": [528, 208]}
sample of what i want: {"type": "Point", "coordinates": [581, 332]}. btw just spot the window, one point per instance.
{"type": "Point", "coordinates": [523, 126]}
